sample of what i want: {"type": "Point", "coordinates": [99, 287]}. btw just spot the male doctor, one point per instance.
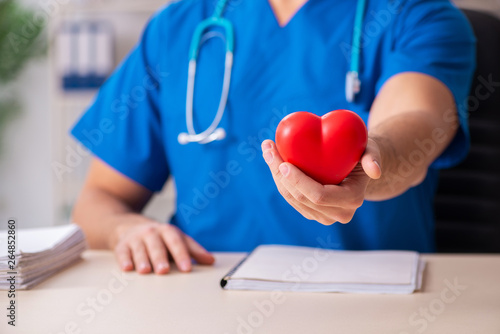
{"type": "Point", "coordinates": [416, 59]}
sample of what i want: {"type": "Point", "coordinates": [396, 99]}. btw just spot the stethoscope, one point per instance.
{"type": "Point", "coordinates": [214, 132]}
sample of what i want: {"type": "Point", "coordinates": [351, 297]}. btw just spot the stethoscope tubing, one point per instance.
{"type": "Point", "coordinates": [213, 132]}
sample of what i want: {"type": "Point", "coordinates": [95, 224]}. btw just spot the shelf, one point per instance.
{"type": "Point", "coordinates": [111, 6]}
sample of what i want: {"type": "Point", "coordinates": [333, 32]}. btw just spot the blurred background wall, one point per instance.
{"type": "Point", "coordinates": [36, 138]}
{"type": "Point", "coordinates": [35, 141]}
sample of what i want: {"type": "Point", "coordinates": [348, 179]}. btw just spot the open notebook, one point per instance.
{"type": "Point", "coordinates": [41, 252]}
{"type": "Point", "coordinates": [292, 268]}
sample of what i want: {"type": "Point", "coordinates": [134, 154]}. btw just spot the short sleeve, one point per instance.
{"type": "Point", "coordinates": [123, 125]}
{"type": "Point", "coordinates": [433, 37]}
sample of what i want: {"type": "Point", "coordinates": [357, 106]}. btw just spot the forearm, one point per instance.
{"type": "Point", "coordinates": [408, 144]}
{"type": "Point", "coordinates": [108, 201]}
{"type": "Point", "coordinates": [99, 214]}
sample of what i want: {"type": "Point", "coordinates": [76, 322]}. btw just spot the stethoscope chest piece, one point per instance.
{"type": "Point", "coordinates": [213, 132]}
{"type": "Point", "coordinates": [352, 86]}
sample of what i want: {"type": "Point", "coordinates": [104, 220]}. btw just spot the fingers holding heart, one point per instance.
{"type": "Point", "coordinates": [304, 189]}
{"type": "Point", "coordinates": [327, 148]}
{"type": "Point", "coordinates": [300, 191]}
{"type": "Point", "coordinates": [321, 182]}
{"type": "Point", "coordinates": [337, 203]}
{"type": "Point", "coordinates": [273, 159]}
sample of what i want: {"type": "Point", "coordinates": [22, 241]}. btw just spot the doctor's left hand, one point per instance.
{"type": "Point", "coordinates": [326, 204]}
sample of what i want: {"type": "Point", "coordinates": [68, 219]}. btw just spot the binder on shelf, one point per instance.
{"type": "Point", "coordinates": [85, 54]}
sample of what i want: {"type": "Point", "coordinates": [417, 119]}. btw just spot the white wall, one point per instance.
{"type": "Point", "coordinates": [25, 175]}
{"type": "Point", "coordinates": [27, 188]}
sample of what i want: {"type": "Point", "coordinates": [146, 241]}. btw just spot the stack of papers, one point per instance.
{"type": "Point", "coordinates": [40, 253]}
{"type": "Point", "coordinates": [291, 268]}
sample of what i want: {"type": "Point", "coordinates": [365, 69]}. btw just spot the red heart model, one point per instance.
{"type": "Point", "coordinates": [326, 148]}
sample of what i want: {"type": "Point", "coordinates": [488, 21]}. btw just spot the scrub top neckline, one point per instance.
{"type": "Point", "coordinates": [292, 18]}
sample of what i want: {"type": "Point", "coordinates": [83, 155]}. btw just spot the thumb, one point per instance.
{"type": "Point", "coordinates": [370, 161]}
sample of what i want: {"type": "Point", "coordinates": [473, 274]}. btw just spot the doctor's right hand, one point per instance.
{"type": "Point", "coordinates": [145, 245]}
{"type": "Point", "coordinates": [326, 204]}
{"type": "Point", "coordinates": [108, 209]}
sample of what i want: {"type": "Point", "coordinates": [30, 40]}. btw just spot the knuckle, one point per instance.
{"type": "Point", "coordinates": [121, 249]}
{"type": "Point", "coordinates": [286, 194]}
{"type": "Point", "coordinates": [318, 197]}
{"type": "Point", "coordinates": [135, 250]}
{"type": "Point", "coordinates": [308, 216]}
{"type": "Point", "coordinates": [345, 218]}
{"type": "Point", "coordinates": [149, 230]}
{"type": "Point", "coordinates": [276, 172]}
{"type": "Point", "coordinates": [157, 256]}
{"type": "Point", "coordinates": [359, 201]}
{"type": "Point", "coordinates": [299, 196]}
{"type": "Point", "coordinates": [136, 247]}
{"type": "Point", "coordinates": [317, 218]}
{"type": "Point", "coordinates": [281, 191]}
{"type": "Point", "coordinates": [168, 228]}
{"type": "Point", "coordinates": [175, 243]}
{"type": "Point", "coordinates": [289, 197]}
{"type": "Point", "coordinates": [356, 201]}
{"type": "Point", "coordinates": [326, 221]}
{"type": "Point", "coordinates": [420, 178]}
{"type": "Point", "coordinates": [294, 181]}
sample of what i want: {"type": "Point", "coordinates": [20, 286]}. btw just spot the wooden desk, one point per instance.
{"type": "Point", "coordinates": [195, 303]}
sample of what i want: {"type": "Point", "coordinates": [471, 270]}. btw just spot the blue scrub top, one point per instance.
{"type": "Point", "coordinates": [226, 197]}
